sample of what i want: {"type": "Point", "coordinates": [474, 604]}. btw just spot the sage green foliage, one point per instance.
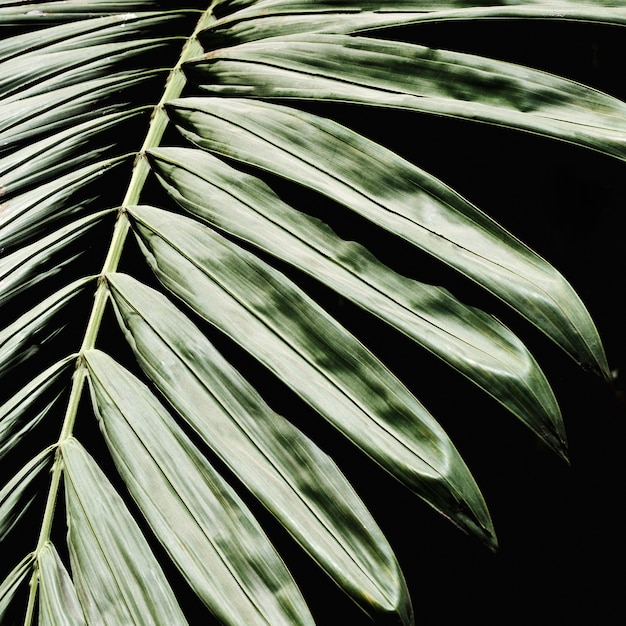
{"type": "Point", "coordinates": [143, 228]}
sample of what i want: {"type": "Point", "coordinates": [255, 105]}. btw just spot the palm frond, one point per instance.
{"type": "Point", "coordinates": [186, 127]}
{"type": "Point", "coordinates": [59, 603]}
{"type": "Point", "coordinates": [241, 22]}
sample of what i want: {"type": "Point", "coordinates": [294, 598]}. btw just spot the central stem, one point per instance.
{"type": "Point", "coordinates": [175, 83]}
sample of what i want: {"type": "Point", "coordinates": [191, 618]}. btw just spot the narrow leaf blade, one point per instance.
{"type": "Point", "coordinates": [284, 329]}
{"type": "Point", "coordinates": [262, 20]}
{"type": "Point", "coordinates": [58, 601]}
{"type": "Point", "coordinates": [472, 342]}
{"type": "Point", "coordinates": [30, 333]}
{"type": "Point", "coordinates": [117, 577]}
{"type": "Point", "coordinates": [24, 410]}
{"type": "Point", "coordinates": [380, 73]}
{"type": "Point", "coordinates": [396, 195]}
{"type": "Point", "coordinates": [18, 494]}
{"type": "Point", "coordinates": [208, 531]}
{"type": "Point", "coordinates": [12, 584]}
{"type": "Point", "coordinates": [288, 473]}
{"type": "Point", "coordinates": [31, 264]}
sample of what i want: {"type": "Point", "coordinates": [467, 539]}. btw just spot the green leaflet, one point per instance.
{"type": "Point", "coordinates": [469, 340]}
{"type": "Point", "coordinates": [208, 531]}
{"type": "Point", "coordinates": [19, 492]}
{"type": "Point", "coordinates": [391, 192]}
{"type": "Point", "coordinates": [49, 13]}
{"type": "Point", "coordinates": [60, 153]}
{"type": "Point", "coordinates": [58, 602]}
{"type": "Point", "coordinates": [393, 74]}
{"type": "Point", "coordinates": [404, 76]}
{"type": "Point", "coordinates": [270, 317]}
{"type": "Point", "coordinates": [286, 471]}
{"type": "Point", "coordinates": [34, 263]}
{"type": "Point", "coordinates": [49, 57]}
{"type": "Point", "coordinates": [39, 211]}
{"type": "Point", "coordinates": [23, 411]}
{"type": "Point", "coordinates": [24, 120]}
{"type": "Point", "coordinates": [242, 22]}
{"type": "Point", "coordinates": [227, 7]}
{"type": "Point", "coordinates": [117, 578]}
{"type": "Point", "coordinates": [13, 582]}
{"type": "Point", "coordinates": [30, 333]}
{"type": "Point", "coordinates": [86, 33]}
{"type": "Point", "coordinates": [40, 71]}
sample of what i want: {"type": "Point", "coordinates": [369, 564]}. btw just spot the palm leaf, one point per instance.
{"type": "Point", "coordinates": [241, 22]}
{"type": "Point", "coordinates": [293, 478]}
{"type": "Point", "coordinates": [187, 127]}
{"type": "Point", "coordinates": [304, 347]}
{"type": "Point", "coordinates": [59, 603]}
{"type": "Point", "coordinates": [116, 576]}
{"type": "Point", "coordinates": [247, 208]}
{"type": "Point", "coordinates": [416, 78]}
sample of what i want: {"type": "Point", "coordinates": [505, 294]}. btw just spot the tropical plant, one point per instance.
{"type": "Point", "coordinates": [196, 267]}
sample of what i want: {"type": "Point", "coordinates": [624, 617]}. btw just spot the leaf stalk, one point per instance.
{"type": "Point", "coordinates": [174, 86]}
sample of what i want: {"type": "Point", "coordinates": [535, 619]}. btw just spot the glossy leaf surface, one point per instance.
{"type": "Point", "coordinates": [470, 341]}
{"type": "Point", "coordinates": [249, 21]}
{"type": "Point", "coordinates": [116, 574]}
{"type": "Point", "coordinates": [285, 470]}
{"type": "Point", "coordinates": [207, 530]}
{"type": "Point", "coordinates": [404, 76]}
{"type": "Point", "coordinates": [198, 319]}
{"type": "Point", "coordinates": [316, 357]}
{"type": "Point", "coordinates": [398, 196]}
